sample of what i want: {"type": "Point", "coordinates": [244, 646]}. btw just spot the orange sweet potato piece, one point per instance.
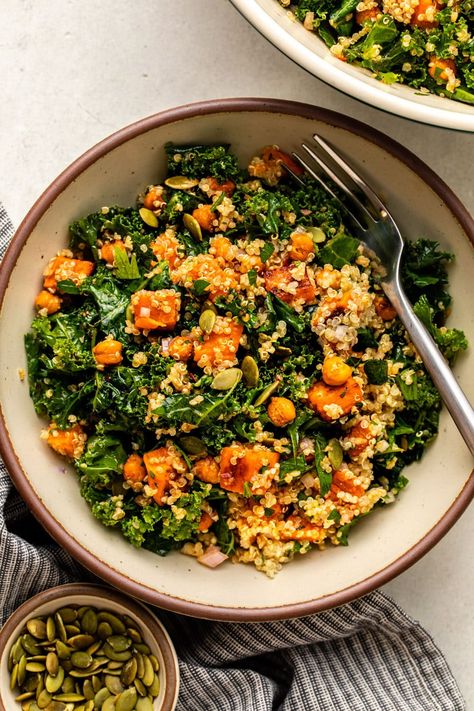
{"type": "Point", "coordinates": [301, 246]}
{"type": "Point", "coordinates": [68, 442]}
{"type": "Point", "coordinates": [437, 68]}
{"type": "Point", "coordinates": [205, 217]}
{"type": "Point", "coordinates": [133, 469]}
{"type": "Point", "coordinates": [227, 187]}
{"type": "Point", "coordinates": [424, 14]}
{"type": "Point", "coordinates": [223, 247]}
{"type": "Point", "coordinates": [219, 346]}
{"type": "Point", "coordinates": [207, 470]}
{"type": "Point", "coordinates": [159, 472]}
{"type": "Point", "coordinates": [363, 16]}
{"type": "Point", "coordinates": [205, 522]}
{"type": "Point", "coordinates": [153, 199]}
{"type": "Point", "coordinates": [107, 251]}
{"type": "Point", "coordinates": [360, 438]}
{"type": "Point", "coordinates": [278, 281]}
{"type": "Point", "coordinates": [345, 396]}
{"type": "Point", "coordinates": [167, 248]}
{"type": "Point", "coordinates": [241, 463]}
{"type": "Point", "coordinates": [303, 531]}
{"type": "Point", "coordinates": [343, 480]}
{"type": "Point", "coordinates": [63, 268]}
{"type": "Point", "coordinates": [156, 309]}
{"type": "Point", "coordinates": [47, 300]}
{"type": "Point", "coordinates": [181, 348]}
{"type": "Point", "coordinates": [204, 266]}
{"type": "Point", "coordinates": [274, 154]}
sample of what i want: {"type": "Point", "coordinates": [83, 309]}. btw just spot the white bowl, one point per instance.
{"type": "Point", "coordinates": [102, 598]}
{"type": "Point", "coordinates": [310, 52]}
{"type": "Point", "coordinates": [115, 171]}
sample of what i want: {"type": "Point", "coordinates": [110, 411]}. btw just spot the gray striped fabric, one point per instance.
{"type": "Point", "coordinates": [366, 656]}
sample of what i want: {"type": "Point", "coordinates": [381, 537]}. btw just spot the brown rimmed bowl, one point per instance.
{"type": "Point", "coordinates": [102, 598]}
{"type": "Point", "coordinates": [114, 171]}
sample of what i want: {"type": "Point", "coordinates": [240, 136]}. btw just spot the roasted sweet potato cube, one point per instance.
{"type": "Point", "coordinates": [241, 463]}
{"type": "Point", "coordinates": [343, 480]}
{"type": "Point", "coordinates": [220, 346]}
{"type": "Point", "coordinates": [168, 248]}
{"type": "Point", "coordinates": [299, 529]}
{"type": "Point", "coordinates": [159, 469]}
{"type": "Point", "coordinates": [64, 268]}
{"type": "Point", "coordinates": [156, 309]}
{"type": "Point", "coordinates": [332, 402]}
{"type": "Point", "coordinates": [69, 442]}
{"type": "Point", "coordinates": [291, 285]}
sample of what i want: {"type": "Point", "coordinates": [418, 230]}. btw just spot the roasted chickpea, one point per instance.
{"type": "Point", "coordinates": [134, 469]}
{"type": "Point", "coordinates": [207, 470]}
{"type": "Point", "coordinates": [335, 371]}
{"type": "Point", "coordinates": [281, 411]}
{"type": "Point", "coordinates": [108, 352]}
{"type": "Point", "coordinates": [48, 301]}
{"type": "Point", "coordinates": [180, 348]}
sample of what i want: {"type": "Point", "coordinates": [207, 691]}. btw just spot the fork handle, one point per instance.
{"type": "Point", "coordinates": [448, 387]}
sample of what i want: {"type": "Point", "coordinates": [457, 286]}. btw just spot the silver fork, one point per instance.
{"type": "Point", "coordinates": [372, 223]}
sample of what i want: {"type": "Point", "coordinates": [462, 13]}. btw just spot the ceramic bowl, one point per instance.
{"type": "Point", "coordinates": [310, 52]}
{"type": "Point", "coordinates": [115, 171]}
{"type": "Point", "coordinates": [102, 598]}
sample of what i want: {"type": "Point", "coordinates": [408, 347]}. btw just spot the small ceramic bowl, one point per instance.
{"type": "Point", "coordinates": [114, 172]}
{"type": "Point", "coordinates": [305, 48]}
{"type": "Point", "coordinates": [102, 598]}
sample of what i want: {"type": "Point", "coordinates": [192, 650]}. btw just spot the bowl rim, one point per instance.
{"type": "Point", "coordinates": [148, 619]}
{"type": "Point", "coordinates": [370, 93]}
{"type": "Point", "coordinates": [7, 451]}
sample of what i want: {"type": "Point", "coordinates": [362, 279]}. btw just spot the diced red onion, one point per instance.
{"type": "Point", "coordinates": [212, 557]}
{"type": "Point", "coordinates": [306, 212]}
{"type": "Point", "coordinates": [165, 344]}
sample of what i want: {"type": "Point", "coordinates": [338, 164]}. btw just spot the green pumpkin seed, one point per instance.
{"type": "Point", "coordinates": [89, 622]}
{"type": "Point", "coordinates": [33, 707]}
{"type": "Point", "coordinates": [69, 697]}
{"type": "Point", "coordinates": [37, 628]}
{"type": "Point", "coordinates": [250, 371]}
{"type": "Point", "coordinates": [104, 630]}
{"type": "Point", "coordinates": [82, 610]}
{"type": "Point", "coordinates": [94, 647]}
{"type": "Point", "coordinates": [52, 664]}
{"type": "Point", "coordinates": [60, 628]}
{"type": "Point", "coordinates": [50, 629]}
{"type": "Point", "coordinates": [140, 665]}
{"type": "Point", "coordinates": [149, 674]}
{"type": "Point", "coordinates": [113, 684]}
{"type": "Point", "coordinates": [193, 226]}
{"type": "Point", "coordinates": [127, 700]}
{"type": "Point", "coordinates": [119, 642]}
{"type": "Point", "coordinates": [29, 644]}
{"type": "Point", "coordinates": [191, 445]}
{"type": "Point", "coordinates": [81, 641]}
{"type": "Point", "coordinates": [14, 677]}
{"type": "Point", "coordinates": [109, 704]}
{"type": "Point", "coordinates": [129, 672]}
{"type": "Point", "coordinates": [144, 704]}
{"type": "Point", "coordinates": [25, 696]}
{"type": "Point", "coordinates": [81, 660]}
{"type": "Point", "coordinates": [43, 699]}
{"type": "Point", "coordinates": [114, 665]}
{"type": "Point", "coordinates": [22, 665]}
{"type": "Point", "coordinates": [181, 182]}
{"type": "Point", "coordinates": [154, 687]}
{"type": "Point", "coordinates": [335, 453]}
{"type": "Point", "coordinates": [226, 380]}
{"type": "Point", "coordinates": [32, 682]}
{"type": "Point", "coordinates": [68, 685]}
{"type": "Point", "coordinates": [72, 630]}
{"type": "Point", "coordinates": [54, 683]}
{"type": "Point", "coordinates": [317, 234]}
{"type": "Point", "coordinates": [35, 667]}
{"type": "Point", "coordinates": [116, 656]}
{"type": "Point", "coordinates": [68, 614]}
{"type": "Point", "coordinates": [148, 217]}
{"type": "Point", "coordinates": [283, 351]}
{"type": "Point", "coordinates": [100, 697]}
{"type": "Point", "coordinates": [134, 634]}
{"type": "Point", "coordinates": [154, 662]}
{"type": "Point", "coordinates": [116, 624]}
{"type": "Point", "coordinates": [140, 687]}
{"type": "Point", "coordinates": [265, 394]}
{"type": "Point", "coordinates": [62, 650]}
{"type": "Point", "coordinates": [96, 684]}
{"type": "Point", "coordinates": [16, 653]}
{"type": "Point", "coordinates": [89, 705]}
{"type": "Point", "coordinates": [88, 689]}
{"type": "Point", "coordinates": [207, 321]}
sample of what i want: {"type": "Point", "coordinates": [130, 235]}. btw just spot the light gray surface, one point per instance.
{"type": "Point", "coordinates": [73, 71]}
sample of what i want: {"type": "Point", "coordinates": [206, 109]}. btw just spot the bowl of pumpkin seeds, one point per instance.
{"type": "Point", "coordinates": [83, 647]}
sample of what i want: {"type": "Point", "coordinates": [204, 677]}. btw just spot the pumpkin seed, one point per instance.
{"type": "Point", "coordinates": [81, 641]}
{"type": "Point", "coordinates": [209, 305]}
{"type": "Point", "coordinates": [89, 705]}
{"type": "Point", "coordinates": [81, 660]}
{"type": "Point", "coordinates": [22, 664]}
{"type": "Point", "coordinates": [129, 672]}
{"type": "Point", "coordinates": [52, 663]}
{"type": "Point", "coordinates": [127, 700]}
{"type": "Point", "coordinates": [134, 634]}
{"type": "Point", "coordinates": [109, 704]}
{"type": "Point", "coordinates": [96, 684]}
{"type": "Point", "coordinates": [17, 652]}
{"type": "Point", "coordinates": [34, 667]}
{"type": "Point", "coordinates": [37, 628]}
{"type": "Point", "coordinates": [144, 704]}
{"type": "Point", "coordinates": [283, 351]}
{"type": "Point", "coordinates": [113, 684]}
{"type": "Point", "coordinates": [68, 614]}
{"type": "Point", "coordinates": [317, 234]}
{"type": "Point", "coordinates": [88, 689]}
{"type": "Point", "coordinates": [140, 687]}
{"type": "Point", "coordinates": [265, 394]}
{"type": "Point", "coordinates": [149, 674]}
{"type": "Point", "coordinates": [29, 644]}
{"type": "Point", "coordinates": [335, 453]}
{"type": "Point", "coordinates": [25, 705]}
{"type": "Point", "coordinates": [89, 622]}
{"type": "Point", "coordinates": [207, 321]}
{"type": "Point", "coordinates": [140, 665]}
{"type": "Point", "coordinates": [114, 665]}
{"type": "Point", "coordinates": [94, 647]}
{"type": "Point", "coordinates": [148, 217]}
{"type": "Point", "coordinates": [25, 696]}
{"type": "Point", "coordinates": [100, 697]}
{"type": "Point", "coordinates": [193, 226]}
{"type": "Point", "coordinates": [14, 677]}
{"type": "Point", "coordinates": [226, 380]}
{"type": "Point", "coordinates": [50, 629]}
{"type": "Point", "coordinates": [61, 630]}
{"type": "Point", "coordinates": [68, 685]}
{"type": "Point", "coordinates": [69, 697]}
{"type": "Point", "coordinates": [119, 642]}
{"type": "Point", "coordinates": [34, 707]}
{"type": "Point", "coordinates": [250, 371]}
{"type": "Point", "coordinates": [181, 182]}
{"type": "Point", "coordinates": [104, 630]}
{"type": "Point", "coordinates": [191, 445]}
{"type": "Point", "coordinates": [154, 687]}
{"type": "Point", "coordinates": [116, 656]}
{"type": "Point", "coordinates": [54, 683]}
{"type": "Point", "coordinates": [31, 683]}
{"type": "Point", "coordinates": [43, 699]}
{"type": "Point", "coordinates": [62, 650]}
{"type": "Point", "coordinates": [116, 624]}
{"type": "Point", "coordinates": [154, 662]}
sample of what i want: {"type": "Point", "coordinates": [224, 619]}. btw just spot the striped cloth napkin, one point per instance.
{"type": "Point", "coordinates": [366, 656]}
